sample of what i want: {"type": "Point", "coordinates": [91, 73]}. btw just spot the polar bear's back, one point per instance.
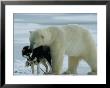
{"type": "Point", "coordinates": [75, 40]}
{"type": "Point", "coordinates": [71, 31]}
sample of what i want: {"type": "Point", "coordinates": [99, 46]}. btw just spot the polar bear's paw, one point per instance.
{"type": "Point", "coordinates": [66, 73]}
{"type": "Point", "coordinates": [92, 73]}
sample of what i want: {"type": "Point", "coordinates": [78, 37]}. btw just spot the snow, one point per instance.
{"type": "Point", "coordinates": [20, 69]}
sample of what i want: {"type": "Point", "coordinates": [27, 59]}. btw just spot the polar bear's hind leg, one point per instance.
{"type": "Point", "coordinates": [93, 65]}
{"type": "Point", "coordinates": [90, 54]}
{"type": "Point", "coordinates": [72, 64]}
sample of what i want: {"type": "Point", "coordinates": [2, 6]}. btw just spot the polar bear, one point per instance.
{"type": "Point", "coordinates": [72, 40]}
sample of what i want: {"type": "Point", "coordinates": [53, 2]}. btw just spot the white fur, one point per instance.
{"type": "Point", "coordinates": [73, 40]}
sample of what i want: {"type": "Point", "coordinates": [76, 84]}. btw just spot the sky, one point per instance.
{"type": "Point", "coordinates": [55, 19]}
{"type": "Point", "coordinates": [25, 22]}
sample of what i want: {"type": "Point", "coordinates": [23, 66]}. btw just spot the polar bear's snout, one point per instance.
{"type": "Point", "coordinates": [35, 45]}
{"type": "Point", "coordinates": [31, 46]}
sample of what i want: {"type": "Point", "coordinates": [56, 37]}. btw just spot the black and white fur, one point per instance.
{"type": "Point", "coordinates": [36, 56]}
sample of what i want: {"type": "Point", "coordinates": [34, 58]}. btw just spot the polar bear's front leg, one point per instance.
{"type": "Point", "coordinates": [57, 60]}
{"type": "Point", "coordinates": [57, 63]}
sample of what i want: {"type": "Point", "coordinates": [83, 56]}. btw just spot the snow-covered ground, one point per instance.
{"type": "Point", "coordinates": [23, 23]}
{"type": "Point", "coordinates": [20, 69]}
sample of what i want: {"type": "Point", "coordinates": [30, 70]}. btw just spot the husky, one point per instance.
{"type": "Point", "coordinates": [36, 56]}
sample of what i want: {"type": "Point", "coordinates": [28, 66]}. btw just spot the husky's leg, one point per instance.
{"type": "Point", "coordinates": [50, 70]}
{"type": "Point", "coordinates": [32, 67]}
{"type": "Point", "coordinates": [38, 69]}
{"type": "Point", "coordinates": [45, 64]}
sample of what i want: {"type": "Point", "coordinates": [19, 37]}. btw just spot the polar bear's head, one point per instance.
{"type": "Point", "coordinates": [39, 38]}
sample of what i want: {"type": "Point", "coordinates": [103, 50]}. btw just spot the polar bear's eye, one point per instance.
{"type": "Point", "coordinates": [42, 36]}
